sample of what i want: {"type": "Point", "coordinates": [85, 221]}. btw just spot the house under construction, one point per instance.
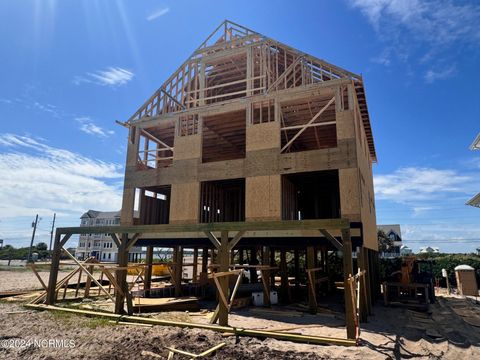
{"type": "Point", "coordinates": [250, 151]}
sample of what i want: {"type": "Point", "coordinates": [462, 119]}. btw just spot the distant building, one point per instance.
{"type": "Point", "coordinates": [405, 250]}
{"type": "Point", "coordinates": [101, 246]}
{"type": "Point", "coordinates": [475, 201]}
{"type": "Point", "coordinates": [394, 233]}
{"type": "Point", "coordinates": [429, 250]}
{"type": "Point", "coordinates": [1, 244]}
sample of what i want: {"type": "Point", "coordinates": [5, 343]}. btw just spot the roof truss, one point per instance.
{"type": "Point", "coordinates": [237, 62]}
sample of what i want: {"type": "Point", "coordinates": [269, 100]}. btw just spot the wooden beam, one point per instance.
{"type": "Point", "coordinates": [32, 266]}
{"type": "Point", "coordinates": [178, 270]}
{"type": "Point", "coordinates": [224, 261]}
{"type": "Point", "coordinates": [238, 236]}
{"type": "Point", "coordinates": [213, 239]}
{"type": "Point", "coordinates": [308, 126]}
{"type": "Point", "coordinates": [223, 329]}
{"type": "Point", "coordinates": [121, 276]}
{"type": "Point", "coordinates": [332, 239]}
{"type": "Point", "coordinates": [312, 296]}
{"type": "Point", "coordinates": [300, 132]}
{"type": "Point", "coordinates": [52, 281]}
{"type": "Point", "coordinates": [328, 224]}
{"type": "Point", "coordinates": [132, 241]}
{"type": "Point", "coordinates": [347, 272]}
{"type": "Point", "coordinates": [115, 239]}
{"type": "Point", "coordinates": [149, 271]}
{"type": "Point", "coordinates": [285, 285]}
{"type": "Point", "coordinates": [195, 264]}
{"type": "Point", "coordinates": [88, 273]}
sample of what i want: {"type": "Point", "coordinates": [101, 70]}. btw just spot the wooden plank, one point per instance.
{"type": "Point", "coordinates": [310, 264]}
{"type": "Point", "coordinates": [328, 224]}
{"type": "Point", "coordinates": [223, 329]}
{"type": "Point", "coordinates": [149, 270]}
{"type": "Point", "coordinates": [300, 132]}
{"type": "Point", "coordinates": [88, 273]}
{"type": "Point", "coordinates": [33, 268]}
{"type": "Point", "coordinates": [347, 272]}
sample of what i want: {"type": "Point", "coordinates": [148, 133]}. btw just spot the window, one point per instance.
{"type": "Point", "coordinates": [109, 256]}
{"type": "Point", "coordinates": [224, 136]}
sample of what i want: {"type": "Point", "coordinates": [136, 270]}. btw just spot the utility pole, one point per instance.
{"type": "Point", "coordinates": [34, 225]}
{"type": "Point", "coordinates": [51, 232]}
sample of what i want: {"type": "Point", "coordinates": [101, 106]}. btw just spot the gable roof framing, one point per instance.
{"type": "Point", "coordinates": [211, 74]}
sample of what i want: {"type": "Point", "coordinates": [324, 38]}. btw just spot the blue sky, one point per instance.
{"type": "Point", "coordinates": [69, 69]}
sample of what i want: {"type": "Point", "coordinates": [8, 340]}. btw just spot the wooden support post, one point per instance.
{"type": "Point", "coordinates": [178, 273]}
{"type": "Point", "coordinates": [312, 301]}
{"type": "Point", "coordinates": [266, 256]}
{"type": "Point", "coordinates": [203, 274]}
{"type": "Point", "coordinates": [78, 282]}
{"type": "Point", "coordinates": [348, 271]}
{"type": "Point", "coordinates": [195, 264]}
{"type": "Point", "coordinates": [272, 264]}
{"type": "Point", "coordinates": [56, 254]}
{"type": "Point", "coordinates": [285, 286]}
{"type": "Point", "coordinates": [362, 296]}
{"type": "Point", "coordinates": [88, 282]}
{"type": "Point", "coordinates": [367, 280]}
{"type": "Point", "coordinates": [253, 261]}
{"type": "Point", "coordinates": [266, 286]}
{"type": "Point", "coordinates": [121, 275]}
{"type": "Point", "coordinates": [224, 262]}
{"type": "Point", "coordinates": [296, 260]}
{"type": "Point", "coordinates": [101, 282]}
{"type": "Point", "coordinates": [147, 285]}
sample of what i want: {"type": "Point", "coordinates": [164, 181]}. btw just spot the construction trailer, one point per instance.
{"type": "Point", "coordinates": [250, 149]}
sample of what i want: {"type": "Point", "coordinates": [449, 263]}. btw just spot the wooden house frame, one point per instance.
{"type": "Point", "coordinates": [250, 145]}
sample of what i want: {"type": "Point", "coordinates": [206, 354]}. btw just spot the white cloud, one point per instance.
{"type": "Point", "coordinates": [88, 126]}
{"type": "Point", "coordinates": [417, 184]}
{"type": "Point", "coordinates": [438, 21]}
{"type": "Point", "coordinates": [112, 76]}
{"type": "Point", "coordinates": [423, 32]}
{"type": "Point", "coordinates": [419, 210]}
{"type": "Point", "coordinates": [38, 178]}
{"type": "Point", "coordinates": [432, 75]}
{"type": "Point", "coordinates": [156, 14]}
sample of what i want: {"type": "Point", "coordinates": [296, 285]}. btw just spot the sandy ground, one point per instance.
{"type": "Point", "coordinates": [23, 279]}
{"type": "Point", "coordinates": [392, 333]}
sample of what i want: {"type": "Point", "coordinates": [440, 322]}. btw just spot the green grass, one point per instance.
{"type": "Point", "coordinates": [13, 268]}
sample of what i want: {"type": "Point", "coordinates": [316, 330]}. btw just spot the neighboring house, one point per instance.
{"type": "Point", "coordinates": [101, 246]}
{"type": "Point", "coordinates": [394, 233]}
{"type": "Point", "coordinates": [429, 250]}
{"type": "Point", "coordinates": [405, 250]}
{"type": "Point", "coordinates": [475, 201]}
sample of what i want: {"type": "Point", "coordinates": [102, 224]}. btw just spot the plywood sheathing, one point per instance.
{"type": "Point", "coordinates": [185, 203]}
{"type": "Point", "coordinates": [187, 147]}
{"type": "Point", "coordinates": [349, 194]}
{"type": "Point", "coordinates": [256, 163]}
{"type": "Point", "coordinates": [263, 198]}
{"type": "Point", "coordinates": [263, 136]}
